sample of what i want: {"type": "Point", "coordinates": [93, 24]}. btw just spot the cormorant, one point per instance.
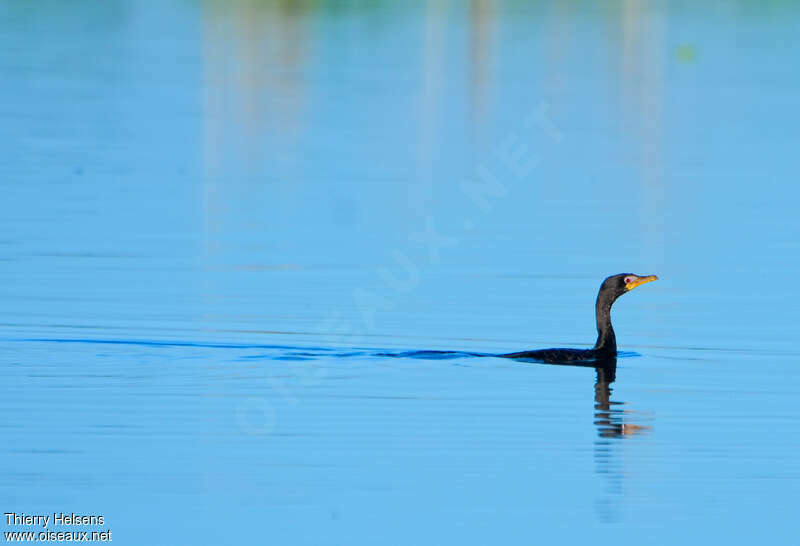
{"type": "Point", "coordinates": [606, 346]}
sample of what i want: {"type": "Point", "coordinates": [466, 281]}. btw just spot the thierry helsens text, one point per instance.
{"type": "Point", "coordinates": [56, 518]}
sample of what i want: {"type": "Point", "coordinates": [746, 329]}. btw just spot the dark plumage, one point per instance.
{"type": "Point", "coordinates": [606, 347]}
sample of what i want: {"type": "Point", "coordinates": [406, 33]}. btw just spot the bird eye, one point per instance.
{"type": "Point", "coordinates": [628, 280]}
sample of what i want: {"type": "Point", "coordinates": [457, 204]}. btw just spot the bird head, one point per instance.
{"type": "Point", "coordinates": [616, 285]}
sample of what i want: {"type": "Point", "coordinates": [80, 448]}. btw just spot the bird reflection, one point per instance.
{"type": "Point", "coordinates": [613, 424]}
{"type": "Point", "coordinates": [609, 417]}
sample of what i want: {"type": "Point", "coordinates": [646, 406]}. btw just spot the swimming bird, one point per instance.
{"type": "Point", "coordinates": [606, 347]}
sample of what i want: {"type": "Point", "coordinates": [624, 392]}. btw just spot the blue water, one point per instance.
{"type": "Point", "coordinates": [228, 230]}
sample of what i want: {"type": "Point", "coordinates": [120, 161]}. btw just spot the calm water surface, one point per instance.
{"type": "Point", "coordinates": [226, 228]}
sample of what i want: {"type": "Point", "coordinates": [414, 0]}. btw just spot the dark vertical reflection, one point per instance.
{"type": "Point", "coordinates": [613, 423]}
{"type": "Point", "coordinates": [609, 417]}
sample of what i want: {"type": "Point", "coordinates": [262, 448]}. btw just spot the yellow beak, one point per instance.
{"type": "Point", "coordinates": [640, 280]}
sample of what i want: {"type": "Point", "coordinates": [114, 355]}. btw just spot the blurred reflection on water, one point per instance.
{"type": "Point", "coordinates": [613, 421]}
{"type": "Point", "coordinates": [231, 234]}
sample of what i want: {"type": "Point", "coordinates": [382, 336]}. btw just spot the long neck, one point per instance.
{"type": "Point", "coordinates": [606, 340]}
